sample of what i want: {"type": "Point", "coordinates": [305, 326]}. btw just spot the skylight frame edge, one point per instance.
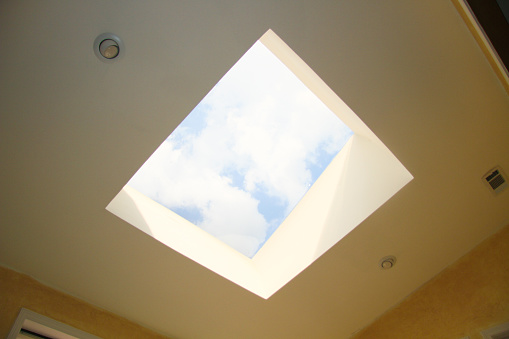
{"type": "Point", "coordinates": [255, 276]}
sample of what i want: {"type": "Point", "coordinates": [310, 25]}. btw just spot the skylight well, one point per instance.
{"type": "Point", "coordinates": [246, 155]}
{"type": "Point", "coordinates": [252, 184]}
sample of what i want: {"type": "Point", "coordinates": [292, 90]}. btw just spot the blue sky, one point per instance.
{"type": "Point", "coordinates": [246, 155]}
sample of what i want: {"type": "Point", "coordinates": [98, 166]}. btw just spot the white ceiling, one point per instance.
{"type": "Point", "coordinates": [73, 130]}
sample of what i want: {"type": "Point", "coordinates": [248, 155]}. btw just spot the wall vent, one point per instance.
{"type": "Point", "coordinates": [496, 180]}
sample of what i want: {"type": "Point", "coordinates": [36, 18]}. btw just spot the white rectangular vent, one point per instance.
{"type": "Point", "coordinates": [495, 179]}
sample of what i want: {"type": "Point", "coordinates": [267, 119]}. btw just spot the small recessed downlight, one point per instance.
{"type": "Point", "coordinates": [387, 262]}
{"type": "Point", "coordinates": [108, 47]}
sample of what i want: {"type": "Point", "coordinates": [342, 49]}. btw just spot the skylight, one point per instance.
{"type": "Point", "coordinates": [246, 155]}
{"type": "Point", "coordinates": [175, 195]}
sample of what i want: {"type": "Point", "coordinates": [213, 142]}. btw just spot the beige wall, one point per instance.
{"type": "Point", "coordinates": [467, 297]}
{"type": "Point", "coordinates": [18, 290]}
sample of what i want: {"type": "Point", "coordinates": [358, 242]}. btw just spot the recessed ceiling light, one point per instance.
{"type": "Point", "coordinates": [108, 47]}
{"type": "Point", "coordinates": [387, 262]}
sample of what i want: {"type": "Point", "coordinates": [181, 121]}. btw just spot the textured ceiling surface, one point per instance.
{"type": "Point", "coordinates": [73, 130]}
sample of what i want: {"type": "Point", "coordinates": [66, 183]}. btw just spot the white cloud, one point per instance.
{"type": "Point", "coordinates": [262, 125]}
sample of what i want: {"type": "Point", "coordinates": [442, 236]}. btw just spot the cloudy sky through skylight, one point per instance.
{"type": "Point", "coordinates": [246, 155]}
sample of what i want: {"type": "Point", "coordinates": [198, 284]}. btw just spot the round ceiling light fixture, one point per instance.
{"type": "Point", "coordinates": [387, 262]}
{"type": "Point", "coordinates": [108, 47]}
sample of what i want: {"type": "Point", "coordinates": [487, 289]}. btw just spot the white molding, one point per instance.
{"type": "Point", "coordinates": [494, 332]}
{"type": "Point", "coordinates": [41, 324]}
{"type": "Point", "coordinates": [481, 34]}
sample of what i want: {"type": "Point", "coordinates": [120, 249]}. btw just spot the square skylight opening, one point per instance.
{"type": "Point", "coordinates": [282, 243]}
{"type": "Point", "coordinates": [246, 155]}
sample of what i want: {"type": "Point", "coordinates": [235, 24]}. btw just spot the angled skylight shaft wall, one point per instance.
{"type": "Point", "coordinates": [246, 155]}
